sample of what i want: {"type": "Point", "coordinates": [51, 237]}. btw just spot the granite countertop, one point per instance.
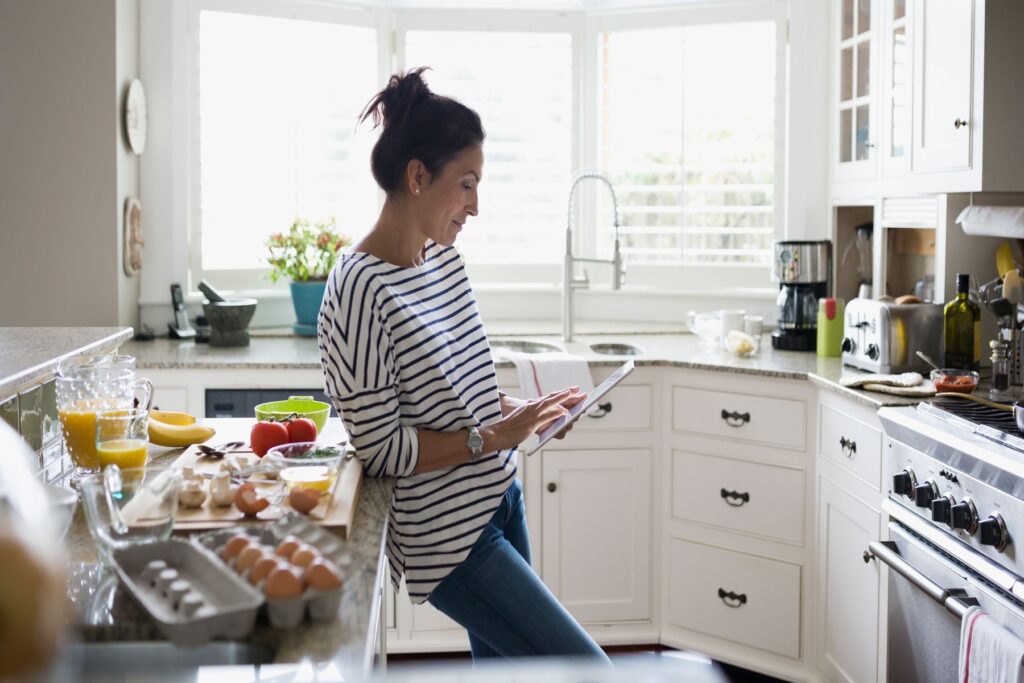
{"type": "Point", "coordinates": [106, 613]}
{"type": "Point", "coordinates": [672, 349]}
{"type": "Point", "coordinates": [28, 354]}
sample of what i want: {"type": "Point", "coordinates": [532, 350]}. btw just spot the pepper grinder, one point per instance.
{"type": "Point", "coordinates": [1000, 368]}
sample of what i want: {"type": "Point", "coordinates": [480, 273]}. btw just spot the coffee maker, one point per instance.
{"type": "Point", "coordinates": [803, 270]}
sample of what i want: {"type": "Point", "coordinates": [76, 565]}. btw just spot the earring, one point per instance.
{"type": "Point", "coordinates": [416, 192]}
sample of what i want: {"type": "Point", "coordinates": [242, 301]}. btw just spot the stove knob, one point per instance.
{"type": "Point", "coordinates": [848, 345]}
{"type": "Point", "coordinates": [993, 532]}
{"type": "Point", "coordinates": [873, 352]}
{"type": "Point", "coordinates": [925, 493]}
{"type": "Point", "coordinates": [940, 509]}
{"type": "Point", "coordinates": [903, 483]}
{"type": "Point", "coordinates": [964, 516]}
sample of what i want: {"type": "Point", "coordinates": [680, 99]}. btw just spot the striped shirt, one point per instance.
{"type": "Point", "coordinates": [404, 349]}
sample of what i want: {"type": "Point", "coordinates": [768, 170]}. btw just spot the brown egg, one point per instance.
{"type": "Point", "coordinates": [304, 556]}
{"type": "Point", "coordinates": [248, 501]}
{"type": "Point", "coordinates": [323, 575]}
{"type": "Point", "coordinates": [284, 582]}
{"type": "Point", "coordinates": [287, 547]}
{"type": "Point", "coordinates": [248, 557]}
{"type": "Point", "coordinates": [266, 563]}
{"type": "Point", "coordinates": [235, 545]}
{"type": "Point", "coordinates": [304, 500]}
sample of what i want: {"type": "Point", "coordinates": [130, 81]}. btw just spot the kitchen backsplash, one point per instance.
{"type": "Point", "coordinates": [33, 413]}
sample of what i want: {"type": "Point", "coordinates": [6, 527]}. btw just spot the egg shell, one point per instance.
{"type": "Point", "coordinates": [283, 583]}
{"type": "Point", "coordinates": [263, 566]}
{"type": "Point", "coordinates": [234, 546]}
{"type": "Point", "coordinates": [304, 500]}
{"type": "Point", "coordinates": [248, 500]}
{"type": "Point", "coordinates": [304, 556]}
{"type": "Point", "coordinates": [287, 547]}
{"type": "Point", "coordinates": [322, 574]}
{"type": "Point", "coordinates": [248, 557]}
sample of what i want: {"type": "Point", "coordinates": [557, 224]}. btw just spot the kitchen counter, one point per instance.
{"type": "Point", "coordinates": [106, 613]}
{"type": "Point", "coordinates": [669, 349]}
{"type": "Point", "coordinates": [29, 354]}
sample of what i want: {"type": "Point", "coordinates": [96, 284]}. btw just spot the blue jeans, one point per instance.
{"type": "Point", "coordinates": [498, 598]}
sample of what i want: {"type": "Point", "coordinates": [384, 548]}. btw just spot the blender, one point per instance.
{"type": "Point", "coordinates": [802, 269]}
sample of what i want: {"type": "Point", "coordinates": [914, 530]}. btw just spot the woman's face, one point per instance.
{"type": "Point", "coordinates": [451, 196]}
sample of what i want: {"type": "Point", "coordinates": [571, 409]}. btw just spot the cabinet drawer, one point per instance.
{"type": "Point", "coordinates": [624, 408]}
{"type": "Point", "coordinates": [771, 421]}
{"type": "Point", "coordinates": [763, 500]}
{"type": "Point", "coordinates": [738, 597]}
{"type": "Point", "coordinates": [851, 444]}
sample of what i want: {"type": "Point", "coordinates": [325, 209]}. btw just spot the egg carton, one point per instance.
{"type": "Point", "coordinates": [191, 595]}
{"type": "Point", "coordinates": [321, 605]}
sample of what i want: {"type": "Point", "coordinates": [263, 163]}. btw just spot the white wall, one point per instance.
{"type": "Point", "coordinates": [63, 169]}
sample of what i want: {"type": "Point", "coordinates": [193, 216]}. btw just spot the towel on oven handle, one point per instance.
{"type": "Point", "coordinates": [988, 652]}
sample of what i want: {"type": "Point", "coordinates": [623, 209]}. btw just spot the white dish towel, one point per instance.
{"type": "Point", "coordinates": [988, 652]}
{"type": "Point", "coordinates": [543, 373]}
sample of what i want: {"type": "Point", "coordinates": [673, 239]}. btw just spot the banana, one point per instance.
{"type": "Point", "coordinates": [178, 436]}
{"type": "Point", "coordinates": [172, 418]}
{"type": "Point", "coordinates": [1004, 259]}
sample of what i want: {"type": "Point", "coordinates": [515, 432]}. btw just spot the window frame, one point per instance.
{"type": "Point", "coordinates": [584, 27]}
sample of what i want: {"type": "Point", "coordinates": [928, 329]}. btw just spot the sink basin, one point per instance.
{"type": "Point", "coordinates": [613, 349]}
{"type": "Point", "coordinates": [156, 660]}
{"type": "Point", "coordinates": [523, 346]}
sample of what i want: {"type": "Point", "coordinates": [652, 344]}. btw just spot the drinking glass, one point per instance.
{"type": "Point", "coordinates": [122, 437]}
{"type": "Point", "coordinates": [130, 505]}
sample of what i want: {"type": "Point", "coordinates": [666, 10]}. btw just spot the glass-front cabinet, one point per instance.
{"type": "Point", "coordinates": [895, 89]}
{"type": "Point", "coordinates": [855, 134]}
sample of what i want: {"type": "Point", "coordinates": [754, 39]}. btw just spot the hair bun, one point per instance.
{"type": "Point", "coordinates": [392, 104]}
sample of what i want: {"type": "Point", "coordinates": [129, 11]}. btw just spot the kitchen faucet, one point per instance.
{"type": "Point", "coordinates": [569, 279]}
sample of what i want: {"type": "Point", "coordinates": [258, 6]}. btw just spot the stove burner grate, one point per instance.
{"type": "Point", "coordinates": [991, 423]}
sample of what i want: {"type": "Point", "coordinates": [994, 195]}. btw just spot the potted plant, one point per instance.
{"type": "Point", "coordinates": [305, 254]}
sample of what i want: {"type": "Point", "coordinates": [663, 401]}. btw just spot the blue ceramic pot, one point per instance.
{"type": "Point", "coordinates": [306, 299]}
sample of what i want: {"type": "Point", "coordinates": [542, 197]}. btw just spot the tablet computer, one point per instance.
{"type": "Point", "coordinates": [592, 398]}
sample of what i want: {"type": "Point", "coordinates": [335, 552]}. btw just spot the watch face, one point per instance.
{"type": "Point", "coordinates": [476, 442]}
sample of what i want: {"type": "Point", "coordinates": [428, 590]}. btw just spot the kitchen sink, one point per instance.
{"type": "Point", "coordinates": [524, 346]}
{"type": "Point", "coordinates": [155, 660]}
{"type": "Point", "coordinates": [613, 349]}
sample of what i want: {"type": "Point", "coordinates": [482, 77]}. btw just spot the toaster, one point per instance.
{"type": "Point", "coordinates": [884, 337]}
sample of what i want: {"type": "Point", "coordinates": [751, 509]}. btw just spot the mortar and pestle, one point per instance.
{"type": "Point", "coordinates": [228, 318]}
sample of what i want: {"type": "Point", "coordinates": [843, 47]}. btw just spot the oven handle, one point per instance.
{"type": "Point", "coordinates": [956, 601]}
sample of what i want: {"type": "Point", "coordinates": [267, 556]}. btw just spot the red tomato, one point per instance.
{"type": "Point", "coordinates": [301, 429]}
{"type": "Point", "coordinates": [266, 435]}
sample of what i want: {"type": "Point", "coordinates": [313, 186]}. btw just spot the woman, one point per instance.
{"type": "Point", "coordinates": [407, 363]}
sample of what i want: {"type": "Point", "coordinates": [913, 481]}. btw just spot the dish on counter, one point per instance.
{"type": "Point", "coordinates": [956, 381]}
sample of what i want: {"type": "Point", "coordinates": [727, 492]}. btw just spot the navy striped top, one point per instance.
{"type": "Point", "coordinates": [404, 349]}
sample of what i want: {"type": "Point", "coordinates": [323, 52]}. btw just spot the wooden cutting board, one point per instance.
{"type": "Point", "coordinates": [336, 510]}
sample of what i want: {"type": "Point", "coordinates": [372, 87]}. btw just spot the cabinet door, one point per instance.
{"type": "Point", "coordinates": [895, 113]}
{"type": "Point", "coordinates": [943, 39]}
{"type": "Point", "coordinates": [855, 134]}
{"type": "Point", "coordinates": [848, 587]}
{"type": "Point", "coordinates": [596, 532]}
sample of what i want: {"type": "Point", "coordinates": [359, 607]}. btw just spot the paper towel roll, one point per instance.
{"type": "Point", "coordinates": [994, 221]}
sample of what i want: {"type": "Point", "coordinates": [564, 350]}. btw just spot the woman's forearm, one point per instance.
{"type": "Point", "coordinates": [438, 450]}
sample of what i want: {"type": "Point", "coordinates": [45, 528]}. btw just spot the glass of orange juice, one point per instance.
{"type": "Point", "coordinates": [121, 438]}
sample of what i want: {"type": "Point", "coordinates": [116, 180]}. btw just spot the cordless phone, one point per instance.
{"type": "Point", "coordinates": [180, 328]}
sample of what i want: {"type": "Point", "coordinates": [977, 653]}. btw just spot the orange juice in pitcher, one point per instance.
{"type": "Point", "coordinates": [78, 422]}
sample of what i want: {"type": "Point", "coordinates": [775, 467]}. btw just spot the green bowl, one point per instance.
{"type": "Point", "coordinates": [303, 406]}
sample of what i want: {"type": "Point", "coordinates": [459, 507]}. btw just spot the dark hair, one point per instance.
{"type": "Point", "coordinates": [417, 124]}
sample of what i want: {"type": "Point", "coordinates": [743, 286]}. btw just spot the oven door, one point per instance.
{"type": "Point", "coordinates": [928, 595]}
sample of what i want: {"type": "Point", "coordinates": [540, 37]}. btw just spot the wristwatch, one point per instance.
{"type": "Point", "coordinates": [475, 442]}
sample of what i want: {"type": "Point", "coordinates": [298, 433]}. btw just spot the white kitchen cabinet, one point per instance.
{"type": "Point", "coordinates": [894, 68]}
{"type": "Point", "coordinates": [849, 617]}
{"type": "Point", "coordinates": [596, 532]}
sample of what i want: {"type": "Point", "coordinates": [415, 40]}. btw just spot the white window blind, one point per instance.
{"type": "Point", "coordinates": [521, 85]}
{"type": "Point", "coordinates": [687, 131]}
{"type": "Point", "coordinates": [278, 105]}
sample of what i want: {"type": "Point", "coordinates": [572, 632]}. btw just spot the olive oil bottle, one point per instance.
{"type": "Point", "coordinates": [962, 328]}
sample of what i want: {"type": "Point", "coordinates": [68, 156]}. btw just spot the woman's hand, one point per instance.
{"type": "Point", "coordinates": [576, 397]}
{"type": "Point", "coordinates": [525, 420]}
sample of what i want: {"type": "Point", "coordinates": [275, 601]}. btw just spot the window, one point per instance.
{"type": "Point", "coordinates": [529, 128]}
{"type": "Point", "coordinates": [278, 104]}
{"type": "Point", "coordinates": [687, 131]}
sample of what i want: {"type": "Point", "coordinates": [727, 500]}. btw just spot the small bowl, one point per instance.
{"type": "Point", "coordinates": [302, 406]}
{"type": "Point", "coordinates": [306, 464]}
{"type": "Point", "coordinates": [957, 381]}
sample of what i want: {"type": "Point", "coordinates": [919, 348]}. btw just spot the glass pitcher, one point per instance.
{"type": "Point", "coordinates": [89, 385]}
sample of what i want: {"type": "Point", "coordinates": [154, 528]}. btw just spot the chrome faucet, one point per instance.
{"type": "Point", "coordinates": [569, 279]}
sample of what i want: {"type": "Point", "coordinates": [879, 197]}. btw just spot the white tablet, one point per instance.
{"type": "Point", "coordinates": [592, 398]}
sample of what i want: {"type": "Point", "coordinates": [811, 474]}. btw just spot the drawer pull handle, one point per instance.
{"type": "Point", "coordinates": [734, 600]}
{"type": "Point", "coordinates": [602, 410]}
{"type": "Point", "coordinates": [730, 496]}
{"type": "Point", "coordinates": [849, 446]}
{"type": "Point", "coordinates": [734, 418]}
